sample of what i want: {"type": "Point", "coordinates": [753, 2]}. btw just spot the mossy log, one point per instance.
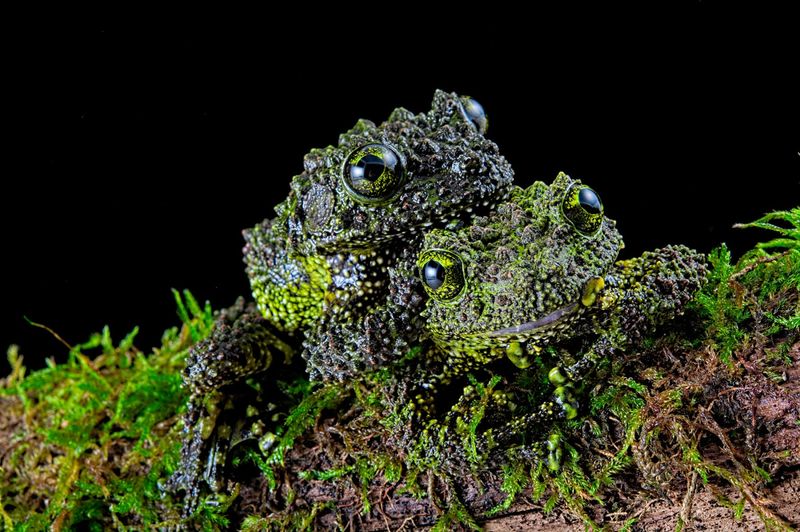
{"type": "Point", "coordinates": [697, 429]}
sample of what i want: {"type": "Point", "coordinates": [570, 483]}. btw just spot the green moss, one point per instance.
{"type": "Point", "coordinates": [303, 417]}
{"type": "Point", "coordinates": [721, 306]}
{"type": "Point", "coordinates": [515, 479]}
{"type": "Point", "coordinates": [302, 519]}
{"type": "Point", "coordinates": [456, 515]}
{"type": "Point", "coordinates": [773, 266]}
{"type": "Point", "coordinates": [96, 435]}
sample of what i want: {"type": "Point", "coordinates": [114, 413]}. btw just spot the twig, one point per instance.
{"type": "Point", "coordinates": [745, 488]}
{"type": "Point", "coordinates": [753, 265]}
{"type": "Point", "coordinates": [48, 329]}
{"type": "Point", "coordinates": [686, 509]}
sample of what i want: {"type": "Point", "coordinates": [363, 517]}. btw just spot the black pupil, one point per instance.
{"type": "Point", "coordinates": [433, 274]}
{"type": "Point", "coordinates": [370, 167]}
{"type": "Point", "coordinates": [590, 201]}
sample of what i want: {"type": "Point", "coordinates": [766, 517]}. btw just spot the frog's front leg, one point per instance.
{"type": "Point", "coordinates": [649, 291]}
{"type": "Point", "coordinates": [373, 326]}
{"type": "Point", "coordinates": [635, 298]}
{"type": "Point", "coordinates": [242, 343]}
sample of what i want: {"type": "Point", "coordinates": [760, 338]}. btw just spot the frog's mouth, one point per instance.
{"type": "Point", "coordinates": [530, 326]}
{"type": "Point", "coordinates": [591, 290]}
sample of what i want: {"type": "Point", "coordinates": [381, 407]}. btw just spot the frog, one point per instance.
{"type": "Point", "coordinates": [338, 260]}
{"type": "Point", "coordinates": [540, 280]}
{"type": "Point", "coordinates": [332, 274]}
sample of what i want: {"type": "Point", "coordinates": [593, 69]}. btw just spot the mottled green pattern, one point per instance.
{"type": "Point", "coordinates": [522, 263]}
{"type": "Point", "coordinates": [536, 276]}
{"type": "Point", "coordinates": [336, 265]}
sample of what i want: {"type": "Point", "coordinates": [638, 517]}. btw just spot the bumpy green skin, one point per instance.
{"type": "Point", "coordinates": [529, 280]}
{"type": "Point", "coordinates": [451, 169]}
{"type": "Point", "coordinates": [343, 269]}
{"type": "Point", "coordinates": [521, 263]}
{"type": "Point", "coordinates": [338, 269]}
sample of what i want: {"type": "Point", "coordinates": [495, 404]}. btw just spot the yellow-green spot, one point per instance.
{"type": "Point", "coordinates": [296, 304]}
{"type": "Point", "coordinates": [556, 377]}
{"type": "Point", "coordinates": [554, 452]}
{"type": "Point", "coordinates": [517, 355]}
{"type": "Point", "coordinates": [591, 290]}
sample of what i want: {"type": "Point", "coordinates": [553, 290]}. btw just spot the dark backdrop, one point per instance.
{"type": "Point", "coordinates": [138, 157]}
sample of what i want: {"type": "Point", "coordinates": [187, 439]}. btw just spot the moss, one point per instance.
{"type": "Point", "coordinates": [456, 515]}
{"type": "Point", "coordinates": [299, 520]}
{"type": "Point", "coordinates": [91, 441]}
{"type": "Point", "coordinates": [514, 482]}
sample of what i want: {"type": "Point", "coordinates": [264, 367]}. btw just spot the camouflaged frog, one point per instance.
{"type": "Point", "coordinates": [337, 263]}
{"type": "Point", "coordinates": [540, 276]}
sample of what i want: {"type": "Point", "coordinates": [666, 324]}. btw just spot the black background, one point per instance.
{"type": "Point", "coordinates": [138, 156]}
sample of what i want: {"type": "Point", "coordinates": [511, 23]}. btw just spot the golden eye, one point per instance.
{"type": "Point", "coordinates": [373, 173]}
{"type": "Point", "coordinates": [442, 273]}
{"type": "Point", "coordinates": [583, 208]}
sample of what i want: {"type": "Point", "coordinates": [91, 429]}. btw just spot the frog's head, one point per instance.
{"type": "Point", "coordinates": [388, 182]}
{"type": "Point", "coordinates": [522, 273]}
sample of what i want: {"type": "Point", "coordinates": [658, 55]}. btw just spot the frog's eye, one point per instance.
{"type": "Point", "coordinates": [442, 273]}
{"type": "Point", "coordinates": [583, 208]}
{"type": "Point", "coordinates": [475, 114]}
{"type": "Point", "coordinates": [373, 173]}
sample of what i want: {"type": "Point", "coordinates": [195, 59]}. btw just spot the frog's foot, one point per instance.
{"type": "Point", "coordinates": [480, 400]}
{"type": "Point", "coordinates": [566, 380]}
{"type": "Point", "coordinates": [241, 344]}
{"type": "Point", "coordinates": [199, 470]}
{"type": "Point", "coordinates": [483, 422]}
{"type": "Point", "coordinates": [554, 451]}
{"type": "Point", "coordinates": [546, 414]}
{"type": "Point", "coordinates": [572, 374]}
{"type": "Point", "coordinates": [549, 450]}
{"type": "Point", "coordinates": [218, 430]}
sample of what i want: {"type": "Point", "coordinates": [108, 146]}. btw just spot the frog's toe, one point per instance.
{"type": "Point", "coordinates": [565, 397]}
{"type": "Point", "coordinates": [545, 451]}
{"type": "Point", "coordinates": [564, 393]}
{"type": "Point", "coordinates": [554, 452]}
